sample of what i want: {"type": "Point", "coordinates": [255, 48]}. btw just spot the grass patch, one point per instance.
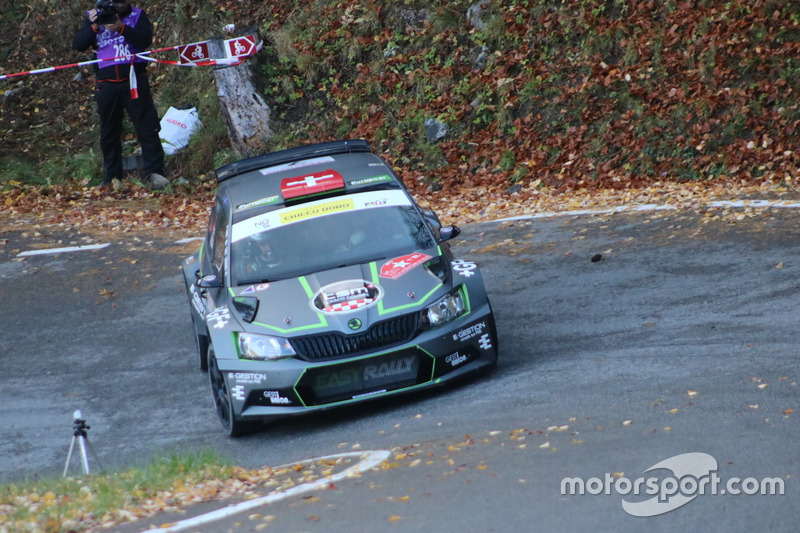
{"type": "Point", "coordinates": [76, 504]}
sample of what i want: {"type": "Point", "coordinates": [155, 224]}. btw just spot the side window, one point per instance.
{"type": "Point", "coordinates": [220, 238]}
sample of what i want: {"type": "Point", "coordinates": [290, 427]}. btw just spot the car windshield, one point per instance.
{"type": "Point", "coordinates": [325, 242]}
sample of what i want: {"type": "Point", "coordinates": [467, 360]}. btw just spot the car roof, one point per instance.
{"type": "Point", "coordinates": [274, 180]}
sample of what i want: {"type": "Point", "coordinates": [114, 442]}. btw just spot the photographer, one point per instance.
{"type": "Point", "coordinates": [114, 29]}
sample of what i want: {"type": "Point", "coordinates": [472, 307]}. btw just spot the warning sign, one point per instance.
{"type": "Point", "coordinates": [192, 53]}
{"type": "Point", "coordinates": [241, 46]}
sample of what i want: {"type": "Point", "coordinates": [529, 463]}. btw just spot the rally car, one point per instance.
{"type": "Point", "coordinates": [322, 283]}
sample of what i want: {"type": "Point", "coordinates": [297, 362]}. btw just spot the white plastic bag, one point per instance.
{"type": "Point", "coordinates": [177, 128]}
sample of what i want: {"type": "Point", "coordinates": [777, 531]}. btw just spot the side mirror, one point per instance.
{"type": "Point", "coordinates": [209, 282]}
{"type": "Point", "coordinates": [449, 232]}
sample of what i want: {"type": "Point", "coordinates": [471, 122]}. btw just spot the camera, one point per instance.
{"type": "Point", "coordinates": [106, 13]}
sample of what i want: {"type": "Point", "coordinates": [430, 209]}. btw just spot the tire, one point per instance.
{"type": "Point", "coordinates": [201, 341]}
{"type": "Point", "coordinates": [223, 401]}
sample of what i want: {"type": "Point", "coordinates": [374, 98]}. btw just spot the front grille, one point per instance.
{"type": "Point", "coordinates": [335, 345]}
{"type": "Point", "coordinates": [372, 375]}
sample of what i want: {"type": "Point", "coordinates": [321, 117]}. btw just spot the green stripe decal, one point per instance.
{"type": "Point", "coordinates": [323, 322]}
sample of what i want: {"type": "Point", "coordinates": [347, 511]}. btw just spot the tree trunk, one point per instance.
{"type": "Point", "coordinates": [247, 115]}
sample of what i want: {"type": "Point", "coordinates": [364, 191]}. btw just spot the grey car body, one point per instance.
{"type": "Point", "coordinates": [321, 283]}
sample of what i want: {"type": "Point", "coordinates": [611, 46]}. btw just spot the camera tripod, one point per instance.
{"type": "Point", "coordinates": [79, 428]}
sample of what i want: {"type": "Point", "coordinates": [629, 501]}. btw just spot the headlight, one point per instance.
{"type": "Point", "coordinates": [448, 308]}
{"type": "Point", "coordinates": [264, 347]}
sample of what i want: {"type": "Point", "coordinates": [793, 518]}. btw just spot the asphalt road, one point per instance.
{"type": "Point", "coordinates": [681, 338]}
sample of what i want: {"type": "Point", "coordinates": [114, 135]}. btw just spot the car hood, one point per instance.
{"type": "Point", "coordinates": [346, 299]}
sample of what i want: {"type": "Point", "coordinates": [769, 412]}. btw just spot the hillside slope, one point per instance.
{"type": "Point", "coordinates": [459, 95]}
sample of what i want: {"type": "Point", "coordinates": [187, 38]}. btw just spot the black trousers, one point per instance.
{"type": "Point", "coordinates": [113, 98]}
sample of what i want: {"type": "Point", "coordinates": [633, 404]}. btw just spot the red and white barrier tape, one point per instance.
{"type": "Point", "coordinates": [197, 54]}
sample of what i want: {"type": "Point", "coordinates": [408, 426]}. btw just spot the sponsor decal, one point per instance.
{"type": "Point", "coordinates": [237, 392]}
{"type": "Point", "coordinates": [377, 203]}
{"type": "Point", "coordinates": [354, 323]}
{"type": "Point", "coordinates": [465, 268]}
{"type": "Point", "coordinates": [256, 203]}
{"type": "Point", "coordinates": [255, 378]}
{"type": "Point", "coordinates": [220, 317]}
{"type": "Point", "coordinates": [344, 296]}
{"type": "Point", "coordinates": [370, 375]}
{"type": "Point", "coordinates": [298, 164]}
{"type": "Point", "coordinates": [485, 341]}
{"type": "Point", "coordinates": [456, 359]}
{"type": "Point", "coordinates": [400, 265]}
{"type": "Point", "coordinates": [197, 302]}
{"type": "Point", "coordinates": [256, 288]}
{"type": "Point", "coordinates": [275, 398]}
{"type": "Point", "coordinates": [367, 181]}
{"type": "Point", "coordinates": [334, 380]}
{"type": "Point", "coordinates": [470, 332]}
{"type": "Point", "coordinates": [400, 367]}
{"type": "Point", "coordinates": [316, 210]}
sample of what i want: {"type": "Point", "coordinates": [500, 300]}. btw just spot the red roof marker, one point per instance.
{"type": "Point", "coordinates": [317, 183]}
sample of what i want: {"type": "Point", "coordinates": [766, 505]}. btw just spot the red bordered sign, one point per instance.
{"type": "Point", "coordinates": [192, 53]}
{"type": "Point", "coordinates": [241, 46]}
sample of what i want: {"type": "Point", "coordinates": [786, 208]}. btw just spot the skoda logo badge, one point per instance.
{"type": "Point", "coordinates": [354, 323]}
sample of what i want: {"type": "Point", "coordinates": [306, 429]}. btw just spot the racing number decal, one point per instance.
{"type": "Point", "coordinates": [220, 317]}
{"type": "Point", "coordinates": [465, 268]}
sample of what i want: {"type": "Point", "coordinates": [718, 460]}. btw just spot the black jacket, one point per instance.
{"type": "Point", "coordinates": [140, 36]}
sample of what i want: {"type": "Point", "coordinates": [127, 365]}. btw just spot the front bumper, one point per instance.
{"type": "Point", "coordinates": [283, 388]}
